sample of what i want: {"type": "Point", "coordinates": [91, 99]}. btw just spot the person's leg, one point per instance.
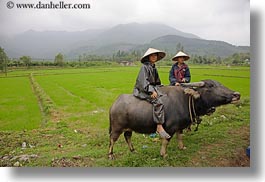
{"type": "Point", "coordinates": [159, 117]}
{"type": "Point", "coordinates": [160, 130]}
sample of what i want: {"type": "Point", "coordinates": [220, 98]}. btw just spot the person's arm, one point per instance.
{"type": "Point", "coordinates": [172, 78]}
{"type": "Point", "coordinates": [187, 75]}
{"type": "Point", "coordinates": [157, 81]}
{"type": "Point", "coordinates": [143, 83]}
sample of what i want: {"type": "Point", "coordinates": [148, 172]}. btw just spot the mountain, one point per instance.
{"type": "Point", "coordinates": [168, 43]}
{"type": "Point", "coordinates": [126, 37]}
{"type": "Point", "coordinates": [197, 46]}
{"type": "Point", "coordinates": [137, 33]}
{"type": "Point", "coordinates": [46, 44]}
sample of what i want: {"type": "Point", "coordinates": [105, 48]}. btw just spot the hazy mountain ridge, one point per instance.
{"type": "Point", "coordinates": [197, 46]}
{"type": "Point", "coordinates": [136, 33]}
{"type": "Point", "coordinates": [126, 37]}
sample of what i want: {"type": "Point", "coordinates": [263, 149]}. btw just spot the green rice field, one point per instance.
{"type": "Point", "coordinates": [61, 115]}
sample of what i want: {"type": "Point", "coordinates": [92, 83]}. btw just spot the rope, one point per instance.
{"type": "Point", "coordinates": [196, 118]}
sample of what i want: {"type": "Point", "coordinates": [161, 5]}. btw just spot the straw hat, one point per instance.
{"type": "Point", "coordinates": [181, 54]}
{"type": "Point", "coordinates": [160, 54]}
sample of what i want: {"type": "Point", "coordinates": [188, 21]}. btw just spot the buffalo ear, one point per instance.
{"type": "Point", "coordinates": [193, 93]}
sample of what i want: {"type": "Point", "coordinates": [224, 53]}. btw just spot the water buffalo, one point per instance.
{"type": "Point", "coordinates": [182, 105]}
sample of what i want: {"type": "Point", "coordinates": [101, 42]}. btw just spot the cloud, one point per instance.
{"type": "Point", "coordinates": [210, 19]}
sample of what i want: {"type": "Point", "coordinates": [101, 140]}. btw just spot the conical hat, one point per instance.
{"type": "Point", "coordinates": [181, 54]}
{"type": "Point", "coordinates": [160, 54]}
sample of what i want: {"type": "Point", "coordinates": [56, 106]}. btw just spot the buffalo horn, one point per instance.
{"type": "Point", "coordinates": [194, 84]}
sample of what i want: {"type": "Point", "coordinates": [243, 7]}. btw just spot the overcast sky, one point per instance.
{"type": "Point", "coordinates": [226, 20]}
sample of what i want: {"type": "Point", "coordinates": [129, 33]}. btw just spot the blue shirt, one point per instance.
{"type": "Point", "coordinates": [177, 73]}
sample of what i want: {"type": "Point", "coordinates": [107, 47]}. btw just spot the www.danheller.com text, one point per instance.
{"type": "Point", "coordinates": [47, 5]}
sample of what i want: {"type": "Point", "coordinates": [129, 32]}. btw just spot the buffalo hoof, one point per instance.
{"type": "Point", "coordinates": [111, 157]}
{"type": "Point", "coordinates": [182, 148]}
{"type": "Point", "coordinates": [164, 156]}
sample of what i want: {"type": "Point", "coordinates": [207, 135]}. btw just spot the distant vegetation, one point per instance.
{"type": "Point", "coordinates": [118, 58]}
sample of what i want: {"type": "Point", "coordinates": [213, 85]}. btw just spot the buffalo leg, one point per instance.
{"type": "Point", "coordinates": [180, 141]}
{"type": "Point", "coordinates": [127, 136]}
{"type": "Point", "coordinates": [113, 138]}
{"type": "Point", "coordinates": [163, 151]}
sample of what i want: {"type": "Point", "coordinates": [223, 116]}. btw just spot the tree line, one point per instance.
{"type": "Point", "coordinates": [117, 57]}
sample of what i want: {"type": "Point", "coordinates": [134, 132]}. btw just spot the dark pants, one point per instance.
{"type": "Point", "coordinates": [158, 110]}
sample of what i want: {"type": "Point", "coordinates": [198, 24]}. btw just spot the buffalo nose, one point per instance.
{"type": "Point", "coordinates": [236, 95]}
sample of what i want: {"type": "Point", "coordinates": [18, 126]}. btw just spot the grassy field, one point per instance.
{"type": "Point", "coordinates": [75, 129]}
{"type": "Point", "coordinates": [18, 107]}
